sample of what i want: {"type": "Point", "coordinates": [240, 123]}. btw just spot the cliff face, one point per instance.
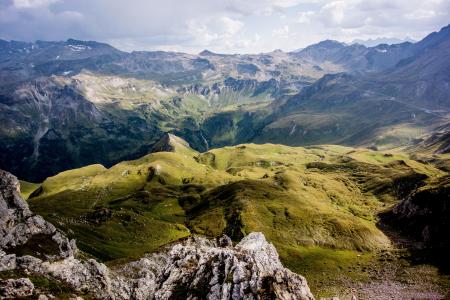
{"type": "Point", "coordinates": [195, 268]}
{"type": "Point", "coordinates": [35, 120]}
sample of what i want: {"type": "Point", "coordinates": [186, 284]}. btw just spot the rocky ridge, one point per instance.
{"type": "Point", "coordinates": [194, 268]}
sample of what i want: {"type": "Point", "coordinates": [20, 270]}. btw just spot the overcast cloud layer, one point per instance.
{"type": "Point", "coordinates": [228, 26]}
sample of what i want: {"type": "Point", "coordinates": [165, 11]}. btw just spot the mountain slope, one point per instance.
{"type": "Point", "coordinates": [21, 61]}
{"type": "Point", "coordinates": [49, 125]}
{"type": "Point", "coordinates": [437, 142]}
{"type": "Point", "coordinates": [317, 203]}
{"type": "Point", "coordinates": [385, 109]}
{"type": "Point", "coordinates": [357, 57]}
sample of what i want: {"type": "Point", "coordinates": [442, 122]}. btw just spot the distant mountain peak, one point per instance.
{"type": "Point", "coordinates": [87, 43]}
{"type": "Point", "coordinates": [382, 41]}
{"type": "Point", "coordinates": [171, 143]}
{"type": "Point", "coordinates": [74, 41]}
{"type": "Point", "coordinates": [445, 29]}
{"type": "Point", "coordinates": [207, 53]}
{"type": "Point", "coordinates": [329, 44]}
{"type": "Point", "coordinates": [323, 46]}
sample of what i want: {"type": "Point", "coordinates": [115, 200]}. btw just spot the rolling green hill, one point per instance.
{"type": "Point", "coordinates": [318, 205]}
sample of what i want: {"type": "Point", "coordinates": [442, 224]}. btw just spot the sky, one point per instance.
{"type": "Point", "coordinates": [227, 26]}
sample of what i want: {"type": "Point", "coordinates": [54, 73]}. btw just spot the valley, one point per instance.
{"type": "Point", "coordinates": [141, 169]}
{"type": "Point", "coordinates": [104, 97]}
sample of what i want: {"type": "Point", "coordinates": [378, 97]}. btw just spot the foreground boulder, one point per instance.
{"type": "Point", "coordinates": [194, 268]}
{"type": "Point", "coordinates": [197, 268]}
{"type": "Point", "coordinates": [21, 231]}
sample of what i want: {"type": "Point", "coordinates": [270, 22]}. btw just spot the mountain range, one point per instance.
{"type": "Point", "coordinates": [381, 40]}
{"type": "Point", "coordinates": [73, 103]}
{"type": "Point", "coordinates": [140, 172]}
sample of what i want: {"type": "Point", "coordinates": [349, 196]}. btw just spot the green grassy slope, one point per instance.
{"type": "Point", "coordinates": [27, 188]}
{"type": "Point", "coordinates": [318, 205]}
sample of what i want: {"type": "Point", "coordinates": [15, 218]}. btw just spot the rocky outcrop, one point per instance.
{"type": "Point", "coordinates": [204, 269]}
{"type": "Point", "coordinates": [21, 230]}
{"type": "Point", "coordinates": [194, 268]}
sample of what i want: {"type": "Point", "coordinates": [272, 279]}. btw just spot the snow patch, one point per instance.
{"type": "Point", "coordinates": [293, 129]}
{"type": "Point", "coordinates": [79, 48]}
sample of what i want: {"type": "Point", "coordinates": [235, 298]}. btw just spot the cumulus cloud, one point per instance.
{"type": "Point", "coordinates": [259, 7]}
{"type": "Point", "coordinates": [32, 3]}
{"type": "Point", "coordinates": [205, 32]}
{"type": "Point", "coordinates": [304, 17]}
{"type": "Point", "coordinates": [281, 32]}
{"type": "Point", "coordinates": [219, 25]}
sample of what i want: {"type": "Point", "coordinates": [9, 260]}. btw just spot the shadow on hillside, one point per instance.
{"type": "Point", "coordinates": [418, 253]}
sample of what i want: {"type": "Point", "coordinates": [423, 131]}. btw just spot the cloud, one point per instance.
{"type": "Point", "coordinates": [304, 17]}
{"type": "Point", "coordinates": [351, 19]}
{"type": "Point", "coordinates": [259, 7]}
{"type": "Point", "coordinates": [32, 3]}
{"type": "Point", "coordinates": [384, 13]}
{"type": "Point", "coordinates": [218, 34]}
{"type": "Point", "coordinates": [281, 32]}
{"type": "Point", "coordinates": [219, 25]}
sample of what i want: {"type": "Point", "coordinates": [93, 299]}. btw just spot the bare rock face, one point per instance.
{"type": "Point", "coordinates": [193, 268]}
{"type": "Point", "coordinates": [21, 230]}
{"type": "Point", "coordinates": [197, 268]}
